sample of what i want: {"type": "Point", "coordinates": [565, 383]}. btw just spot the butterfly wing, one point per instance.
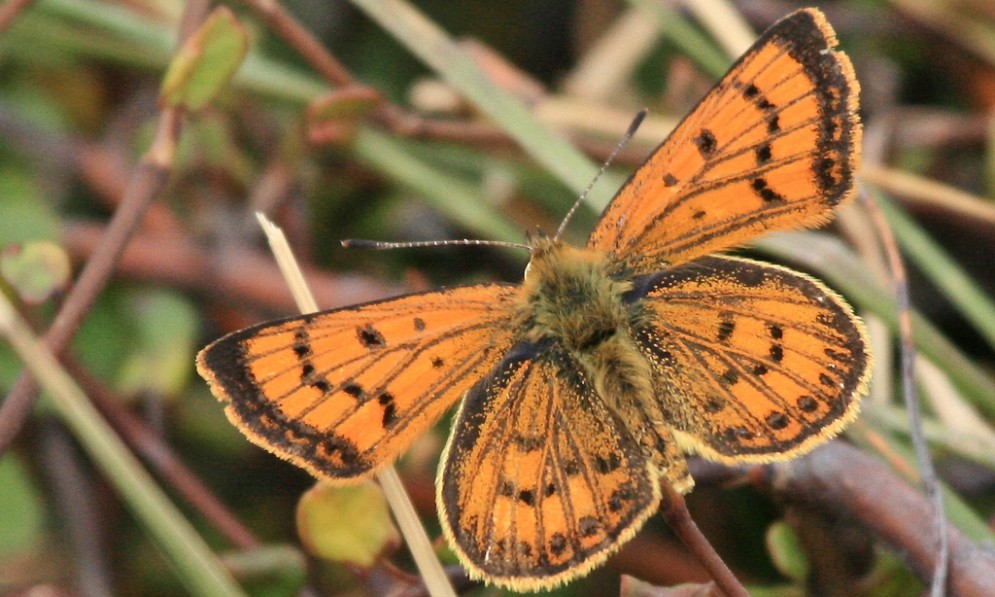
{"type": "Point", "coordinates": [343, 392]}
{"type": "Point", "coordinates": [540, 482]}
{"type": "Point", "coordinates": [754, 362]}
{"type": "Point", "coordinates": [774, 145]}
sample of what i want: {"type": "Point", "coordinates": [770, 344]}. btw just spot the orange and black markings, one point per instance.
{"type": "Point", "coordinates": [582, 390]}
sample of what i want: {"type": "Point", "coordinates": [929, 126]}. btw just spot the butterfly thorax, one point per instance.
{"type": "Point", "coordinates": [569, 298]}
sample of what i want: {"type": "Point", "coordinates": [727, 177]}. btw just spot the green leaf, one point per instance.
{"type": "Point", "coordinates": [346, 524]}
{"type": "Point", "coordinates": [36, 270]}
{"type": "Point", "coordinates": [786, 551]}
{"type": "Point", "coordinates": [206, 62]}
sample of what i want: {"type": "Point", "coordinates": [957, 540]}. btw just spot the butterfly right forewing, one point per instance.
{"type": "Point", "coordinates": [341, 393]}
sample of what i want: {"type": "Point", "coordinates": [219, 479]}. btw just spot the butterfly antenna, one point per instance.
{"type": "Point", "coordinates": [633, 127]}
{"type": "Point", "coordinates": [355, 243]}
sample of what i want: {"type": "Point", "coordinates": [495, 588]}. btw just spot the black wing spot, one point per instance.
{"type": "Point", "coordinates": [302, 344]}
{"type": "Point", "coordinates": [354, 389]}
{"type": "Point", "coordinates": [776, 420]}
{"type": "Point", "coordinates": [776, 331]}
{"type": "Point", "coordinates": [760, 370]}
{"type": "Point", "coordinates": [590, 526]}
{"type": "Point", "coordinates": [699, 214]}
{"type": "Point", "coordinates": [776, 353]}
{"type": "Point", "coordinates": [763, 190]}
{"type": "Point", "coordinates": [807, 404]}
{"type": "Point", "coordinates": [618, 499]}
{"type": "Point", "coordinates": [706, 142]}
{"type": "Point", "coordinates": [437, 362]}
{"type": "Point", "coordinates": [773, 124]}
{"type": "Point", "coordinates": [714, 405]}
{"type": "Point", "coordinates": [726, 328]}
{"type": "Point", "coordinates": [827, 381]}
{"type": "Point", "coordinates": [557, 544]}
{"type": "Point", "coordinates": [527, 497]}
{"type": "Point", "coordinates": [669, 180]}
{"type": "Point", "coordinates": [763, 154]}
{"type": "Point", "coordinates": [528, 443]}
{"type": "Point", "coordinates": [419, 324]}
{"type": "Point", "coordinates": [737, 434]}
{"type": "Point", "coordinates": [730, 377]}
{"type": "Point", "coordinates": [386, 399]}
{"type": "Point", "coordinates": [370, 337]}
{"type": "Point", "coordinates": [607, 465]}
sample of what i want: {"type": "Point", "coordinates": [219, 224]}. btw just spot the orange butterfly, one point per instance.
{"type": "Point", "coordinates": [584, 387]}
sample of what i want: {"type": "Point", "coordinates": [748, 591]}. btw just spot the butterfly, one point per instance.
{"type": "Point", "coordinates": [582, 389]}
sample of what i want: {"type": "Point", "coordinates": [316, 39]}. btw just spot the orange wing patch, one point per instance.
{"type": "Point", "coordinates": [755, 362]}
{"type": "Point", "coordinates": [540, 480]}
{"type": "Point", "coordinates": [341, 393]}
{"type": "Point", "coordinates": [773, 146]}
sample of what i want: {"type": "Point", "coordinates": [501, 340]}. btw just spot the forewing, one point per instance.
{"type": "Point", "coordinates": [539, 481]}
{"type": "Point", "coordinates": [753, 362]}
{"type": "Point", "coordinates": [773, 146]}
{"type": "Point", "coordinates": [341, 393]}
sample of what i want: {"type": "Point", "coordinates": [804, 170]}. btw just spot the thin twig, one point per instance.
{"type": "Point", "coordinates": [675, 512]}
{"type": "Point", "coordinates": [910, 394]}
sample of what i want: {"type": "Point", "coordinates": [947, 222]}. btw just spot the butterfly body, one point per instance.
{"type": "Point", "coordinates": [581, 390]}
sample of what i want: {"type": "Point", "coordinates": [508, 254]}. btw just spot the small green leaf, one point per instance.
{"type": "Point", "coordinates": [786, 551]}
{"type": "Point", "coordinates": [346, 524]}
{"type": "Point", "coordinates": [36, 270]}
{"type": "Point", "coordinates": [206, 62]}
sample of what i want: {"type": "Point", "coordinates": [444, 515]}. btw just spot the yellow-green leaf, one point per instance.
{"type": "Point", "coordinates": [206, 62]}
{"type": "Point", "coordinates": [36, 270]}
{"type": "Point", "coordinates": [346, 524]}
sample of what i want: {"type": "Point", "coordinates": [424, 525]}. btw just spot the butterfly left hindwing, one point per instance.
{"type": "Point", "coordinates": [540, 480]}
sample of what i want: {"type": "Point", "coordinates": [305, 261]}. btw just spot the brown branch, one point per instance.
{"type": "Point", "coordinates": [675, 512]}
{"type": "Point", "coordinates": [839, 479]}
{"type": "Point", "coordinates": [237, 274]}
{"type": "Point", "coordinates": [148, 181]}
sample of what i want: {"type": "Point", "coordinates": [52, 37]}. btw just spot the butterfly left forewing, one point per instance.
{"type": "Point", "coordinates": [341, 393]}
{"type": "Point", "coordinates": [774, 145]}
{"type": "Point", "coordinates": [754, 362]}
{"type": "Point", "coordinates": [540, 481]}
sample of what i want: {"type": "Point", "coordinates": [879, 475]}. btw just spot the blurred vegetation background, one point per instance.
{"type": "Point", "coordinates": [421, 121]}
